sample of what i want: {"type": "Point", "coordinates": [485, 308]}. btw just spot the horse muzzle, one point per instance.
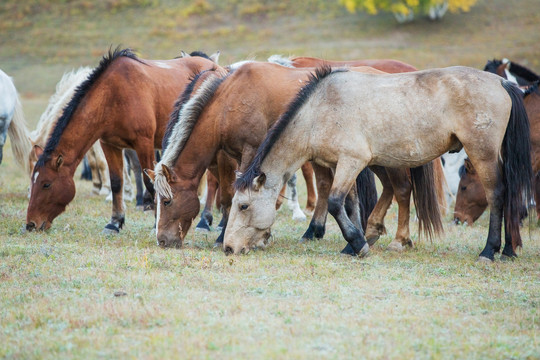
{"type": "Point", "coordinates": [31, 226]}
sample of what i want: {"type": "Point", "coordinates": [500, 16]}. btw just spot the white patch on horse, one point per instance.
{"type": "Point", "coordinates": [158, 213]}
{"type": "Point", "coordinates": [483, 121]}
{"type": "Point", "coordinates": [510, 77]}
{"type": "Point", "coordinates": [36, 176]}
{"type": "Point", "coordinates": [162, 65]}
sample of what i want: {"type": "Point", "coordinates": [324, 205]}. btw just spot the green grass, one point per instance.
{"type": "Point", "coordinates": [57, 289]}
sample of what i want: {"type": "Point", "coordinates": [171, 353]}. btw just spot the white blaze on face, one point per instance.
{"type": "Point", "coordinates": [162, 65]}
{"type": "Point", "coordinates": [36, 176]}
{"type": "Point", "coordinates": [157, 215]}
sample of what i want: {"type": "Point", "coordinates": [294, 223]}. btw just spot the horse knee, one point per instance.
{"type": "Point", "coordinates": [335, 204]}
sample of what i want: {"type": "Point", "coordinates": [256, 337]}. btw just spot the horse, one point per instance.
{"type": "Point", "coordinates": [230, 115]}
{"type": "Point", "coordinates": [471, 199]}
{"type": "Point", "coordinates": [395, 181]}
{"type": "Point", "coordinates": [12, 122]}
{"type": "Point", "coordinates": [347, 121]}
{"type": "Point", "coordinates": [125, 102]}
{"type": "Point", "coordinates": [452, 162]}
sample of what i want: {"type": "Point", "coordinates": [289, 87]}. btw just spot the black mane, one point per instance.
{"type": "Point", "coordinates": [182, 99]}
{"type": "Point", "coordinates": [200, 54]}
{"type": "Point", "coordinates": [492, 65]}
{"type": "Point", "coordinates": [80, 92]}
{"type": "Point", "coordinates": [254, 169]}
{"type": "Point", "coordinates": [523, 72]}
{"type": "Point", "coordinates": [533, 88]}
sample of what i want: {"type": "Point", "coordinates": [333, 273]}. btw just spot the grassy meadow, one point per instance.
{"type": "Point", "coordinates": [74, 293]}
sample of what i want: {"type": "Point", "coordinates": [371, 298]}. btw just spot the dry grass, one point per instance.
{"type": "Point", "coordinates": [292, 300]}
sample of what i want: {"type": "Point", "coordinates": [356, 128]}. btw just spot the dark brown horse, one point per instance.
{"type": "Point", "coordinates": [396, 182]}
{"type": "Point", "coordinates": [471, 198]}
{"type": "Point", "coordinates": [230, 113]}
{"type": "Point", "coordinates": [126, 103]}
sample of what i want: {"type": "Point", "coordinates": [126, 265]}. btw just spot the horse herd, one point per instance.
{"type": "Point", "coordinates": [245, 130]}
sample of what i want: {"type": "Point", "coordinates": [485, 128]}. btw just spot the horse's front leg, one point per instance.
{"type": "Point", "coordinates": [115, 160]}
{"type": "Point", "coordinates": [292, 195]}
{"type": "Point", "coordinates": [316, 228]}
{"type": "Point", "coordinates": [206, 215]}
{"type": "Point", "coordinates": [345, 177]}
{"type": "Point", "coordinates": [227, 176]}
{"type": "Point", "coordinates": [402, 190]}
{"type": "Point", "coordinates": [307, 172]}
{"type": "Point", "coordinates": [146, 155]}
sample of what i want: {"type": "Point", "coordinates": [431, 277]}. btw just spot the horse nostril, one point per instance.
{"type": "Point", "coordinates": [456, 221]}
{"type": "Point", "coordinates": [243, 251]}
{"type": "Point", "coordinates": [31, 226]}
{"type": "Point", "coordinates": [228, 250]}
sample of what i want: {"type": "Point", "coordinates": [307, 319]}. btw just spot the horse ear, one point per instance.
{"type": "Point", "coordinates": [183, 54]}
{"type": "Point", "coordinates": [59, 161]}
{"type": "Point", "coordinates": [469, 167]}
{"type": "Point", "coordinates": [38, 150]}
{"type": "Point", "coordinates": [169, 174]}
{"type": "Point", "coordinates": [215, 57]}
{"type": "Point", "coordinates": [259, 181]}
{"type": "Point", "coordinates": [150, 173]}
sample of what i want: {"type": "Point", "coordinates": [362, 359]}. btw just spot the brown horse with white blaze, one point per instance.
{"type": "Point", "coordinates": [348, 121]}
{"type": "Point", "coordinates": [125, 102]}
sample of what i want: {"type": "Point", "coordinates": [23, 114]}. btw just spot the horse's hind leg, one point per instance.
{"type": "Point", "coordinates": [227, 175]}
{"type": "Point", "coordinates": [307, 172]}
{"type": "Point", "coordinates": [345, 177]}
{"type": "Point", "coordinates": [375, 226]}
{"type": "Point", "coordinates": [298, 214]}
{"type": "Point", "coordinates": [316, 228]}
{"type": "Point", "coordinates": [135, 166]}
{"type": "Point", "coordinates": [206, 215]}
{"type": "Point", "coordinates": [402, 190]}
{"type": "Point", "coordinates": [115, 161]}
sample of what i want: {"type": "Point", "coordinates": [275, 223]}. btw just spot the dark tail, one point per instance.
{"type": "Point", "coordinates": [367, 194]}
{"type": "Point", "coordinates": [426, 201]}
{"type": "Point", "coordinates": [516, 167]}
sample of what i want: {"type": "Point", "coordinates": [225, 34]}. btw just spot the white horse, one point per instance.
{"type": "Point", "coordinates": [12, 122]}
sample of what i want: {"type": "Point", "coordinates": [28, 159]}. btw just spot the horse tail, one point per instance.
{"type": "Point", "coordinates": [440, 185]}
{"type": "Point", "coordinates": [19, 135]}
{"type": "Point", "coordinates": [367, 194]}
{"type": "Point", "coordinates": [425, 200]}
{"type": "Point", "coordinates": [516, 163]}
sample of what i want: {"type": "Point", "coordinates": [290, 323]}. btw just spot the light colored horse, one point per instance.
{"type": "Point", "coordinates": [347, 121]}
{"type": "Point", "coordinates": [12, 122]}
{"type": "Point", "coordinates": [452, 163]}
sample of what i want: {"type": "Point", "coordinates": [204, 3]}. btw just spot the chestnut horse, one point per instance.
{"type": "Point", "coordinates": [471, 199]}
{"type": "Point", "coordinates": [395, 181]}
{"type": "Point", "coordinates": [125, 102]}
{"type": "Point", "coordinates": [227, 117]}
{"type": "Point", "coordinates": [348, 120]}
{"type": "Point", "coordinates": [12, 122]}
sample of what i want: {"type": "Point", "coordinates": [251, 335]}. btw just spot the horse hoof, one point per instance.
{"type": "Point", "coordinates": [364, 252]}
{"type": "Point", "coordinates": [218, 244]}
{"type": "Point", "coordinates": [348, 250]}
{"type": "Point", "coordinates": [299, 217]}
{"type": "Point", "coordinates": [372, 239]}
{"type": "Point", "coordinates": [506, 258]}
{"type": "Point", "coordinates": [396, 246]}
{"type": "Point", "coordinates": [485, 260]}
{"type": "Point", "coordinates": [110, 229]}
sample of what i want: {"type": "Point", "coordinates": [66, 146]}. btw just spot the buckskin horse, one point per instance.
{"type": "Point", "coordinates": [347, 121]}
{"type": "Point", "coordinates": [228, 114]}
{"type": "Point", "coordinates": [12, 122]}
{"type": "Point", "coordinates": [471, 199]}
{"type": "Point", "coordinates": [395, 182]}
{"type": "Point", "coordinates": [125, 102]}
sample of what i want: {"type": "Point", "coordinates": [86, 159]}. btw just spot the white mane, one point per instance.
{"type": "Point", "coordinates": [281, 60]}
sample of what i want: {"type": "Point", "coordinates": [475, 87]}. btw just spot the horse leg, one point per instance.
{"type": "Point", "coordinates": [307, 172]}
{"type": "Point", "coordinates": [353, 212]}
{"type": "Point", "coordinates": [227, 176]}
{"type": "Point", "coordinates": [115, 160]}
{"type": "Point", "coordinates": [537, 195]}
{"type": "Point", "coordinates": [145, 153]}
{"type": "Point", "coordinates": [135, 167]}
{"type": "Point", "coordinates": [92, 162]}
{"type": "Point", "coordinates": [344, 179]}
{"type": "Point", "coordinates": [102, 168]}
{"type": "Point", "coordinates": [298, 214]}
{"type": "Point", "coordinates": [375, 226]}
{"type": "Point", "coordinates": [128, 186]}
{"type": "Point", "coordinates": [316, 228]}
{"type": "Point", "coordinates": [281, 196]}
{"type": "Point", "coordinates": [402, 190]}
{"type": "Point", "coordinates": [206, 216]}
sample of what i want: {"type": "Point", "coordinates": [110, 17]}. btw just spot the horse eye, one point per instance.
{"type": "Point", "coordinates": [167, 202]}
{"type": "Point", "coordinates": [463, 188]}
{"type": "Point", "coordinates": [46, 185]}
{"type": "Point", "coordinates": [243, 207]}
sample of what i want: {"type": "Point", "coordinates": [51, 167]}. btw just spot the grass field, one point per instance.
{"type": "Point", "coordinates": [293, 300]}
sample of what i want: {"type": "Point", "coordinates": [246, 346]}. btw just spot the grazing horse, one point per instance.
{"type": "Point", "coordinates": [347, 121]}
{"type": "Point", "coordinates": [395, 181]}
{"type": "Point", "coordinates": [125, 103]}
{"type": "Point", "coordinates": [471, 199]}
{"type": "Point", "coordinates": [228, 115]}
{"type": "Point", "coordinates": [12, 122]}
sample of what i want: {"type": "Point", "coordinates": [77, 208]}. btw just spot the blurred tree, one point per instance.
{"type": "Point", "coordinates": [405, 10]}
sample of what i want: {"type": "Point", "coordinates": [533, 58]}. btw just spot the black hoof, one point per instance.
{"type": "Point", "coordinates": [110, 229]}
{"type": "Point", "coordinates": [348, 250]}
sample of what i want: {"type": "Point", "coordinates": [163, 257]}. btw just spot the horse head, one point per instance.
{"type": "Point", "coordinates": [253, 212]}
{"type": "Point", "coordinates": [177, 204]}
{"type": "Point", "coordinates": [471, 199]}
{"type": "Point", "coordinates": [51, 190]}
